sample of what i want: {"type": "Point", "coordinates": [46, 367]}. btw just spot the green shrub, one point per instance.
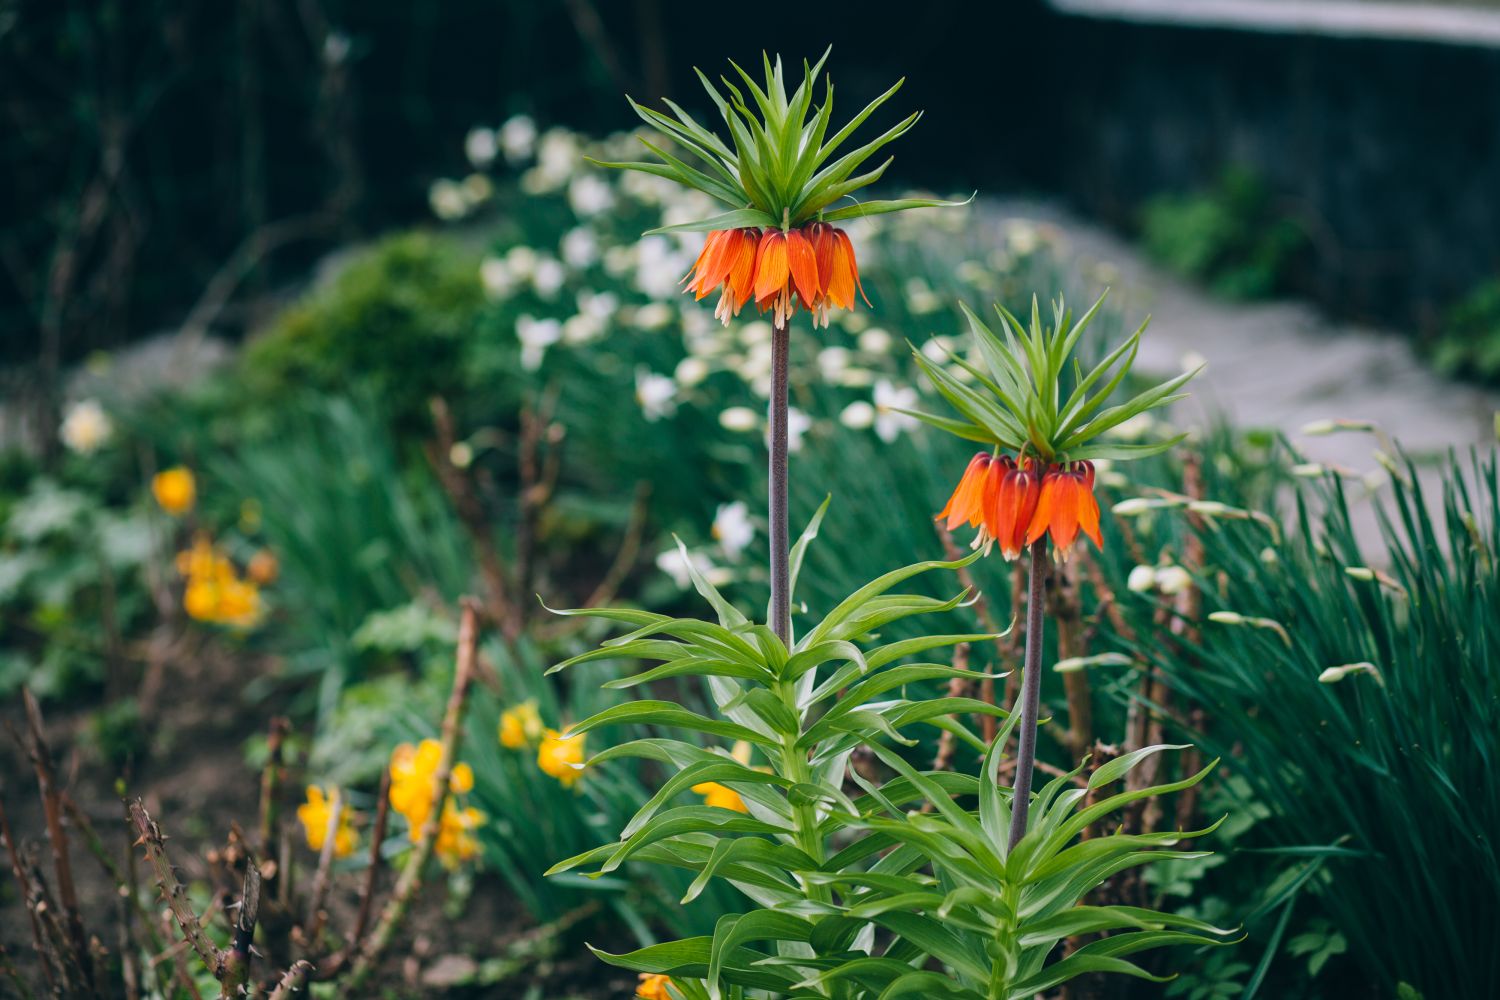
{"type": "Point", "coordinates": [396, 318]}
{"type": "Point", "coordinates": [1469, 342]}
{"type": "Point", "coordinates": [1230, 237]}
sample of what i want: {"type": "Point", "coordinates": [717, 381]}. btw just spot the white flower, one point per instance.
{"type": "Point", "coordinates": [536, 335]}
{"type": "Point", "coordinates": [1133, 429]}
{"type": "Point", "coordinates": [448, 200]}
{"type": "Point", "coordinates": [647, 188]}
{"type": "Point", "coordinates": [1192, 361]}
{"type": "Point", "coordinates": [557, 156]}
{"type": "Point", "coordinates": [674, 562]}
{"type": "Point", "coordinates": [599, 305]}
{"type": "Point", "coordinates": [832, 361]}
{"type": "Point", "coordinates": [858, 415]}
{"type": "Point", "coordinates": [937, 350]}
{"type": "Point", "coordinates": [477, 189]}
{"type": "Point", "coordinates": [1173, 579]}
{"type": "Point", "coordinates": [690, 371]}
{"type": "Point", "coordinates": [582, 328]}
{"type": "Point", "coordinates": [495, 274]}
{"type": "Point", "coordinates": [875, 341]}
{"type": "Point", "coordinates": [732, 528]}
{"type": "Point", "coordinates": [548, 276]}
{"type": "Point", "coordinates": [518, 138]}
{"type": "Point", "coordinates": [521, 260]}
{"type": "Point", "coordinates": [480, 147]}
{"type": "Point", "coordinates": [659, 267]}
{"type": "Point", "coordinates": [558, 153]}
{"type": "Point", "coordinates": [579, 247]}
{"type": "Point", "coordinates": [653, 315]}
{"type": "Point", "coordinates": [756, 332]}
{"type": "Point", "coordinates": [618, 260]}
{"type": "Point", "coordinates": [888, 399]}
{"type": "Point", "coordinates": [739, 418]}
{"type": "Point", "coordinates": [589, 195]}
{"type": "Point", "coordinates": [86, 428]}
{"type": "Point", "coordinates": [920, 297]}
{"type": "Point", "coordinates": [1141, 580]}
{"type": "Point", "coordinates": [657, 394]}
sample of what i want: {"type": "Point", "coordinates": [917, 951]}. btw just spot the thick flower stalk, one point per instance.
{"type": "Point", "coordinates": [1036, 481]}
{"type": "Point", "coordinates": [776, 244]}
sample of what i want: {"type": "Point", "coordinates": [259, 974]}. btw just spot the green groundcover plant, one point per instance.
{"type": "Point", "coordinates": [913, 883]}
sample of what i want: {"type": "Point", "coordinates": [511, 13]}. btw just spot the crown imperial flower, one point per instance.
{"type": "Point", "coordinates": [1016, 404]}
{"type": "Point", "coordinates": [780, 179]}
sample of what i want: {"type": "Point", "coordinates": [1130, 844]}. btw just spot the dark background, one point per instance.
{"type": "Point", "coordinates": [167, 154]}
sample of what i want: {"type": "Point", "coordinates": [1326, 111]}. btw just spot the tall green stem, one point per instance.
{"type": "Point", "coordinates": [1031, 693]}
{"type": "Point", "coordinates": [781, 599]}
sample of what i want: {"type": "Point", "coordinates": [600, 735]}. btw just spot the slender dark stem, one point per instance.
{"type": "Point", "coordinates": [1031, 693]}
{"type": "Point", "coordinates": [781, 602]}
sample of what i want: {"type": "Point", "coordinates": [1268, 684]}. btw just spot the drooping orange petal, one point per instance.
{"type": "Point", "coordinates": [1064, 521]}
{"type": "Point", "coordinates": [840, 286]}
{"type": "Point", "coordinates": [961, 505]}
{"type": "Point", "coordinates": [771, 266]}
{"type": "Point", "coordinates": [1088, 513]}
{"type": "Point", "coordinates": [703, 255]}
{"type": "Point", "coordinates": [824, 243]}
{"type": "Point", "coordinates": [803, 264]}
{"type": "Point", "coordinates": [742, 267]}
{"type": "Point", "coordinates": [1022, 495]}
{"type": "Point", "coordinates": [713, 271]}
{"type": "Point", "coordinates": [1046, 504]}
{"type": "Point", "coordinates": [848, 248]}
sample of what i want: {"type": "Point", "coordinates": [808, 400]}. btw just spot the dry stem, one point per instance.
{"type": "Point", "coordinates": [411, 875]}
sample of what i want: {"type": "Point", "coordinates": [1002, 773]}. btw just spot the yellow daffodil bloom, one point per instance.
{"type": "Point", "coordinates": [715, 794]}
{"type": "Point", "coordinates": [414, 781]}
{"type": "Point", "coordinates": [215, 592]}
{"type": "Point", "coordinates": [315, 813]}
{"type": "Point", "coordinates": [653, 986]}
{"type": "Point", "coordinates": [560, 756]}
{"type": "Point", "coordinates": [520, 726]}
{"type": "Point", "coordinates": [175, 490]}
{"type": "Point", "coordinates": [456, 842]}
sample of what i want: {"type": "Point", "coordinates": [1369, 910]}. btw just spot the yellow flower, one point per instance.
{"type": "Point", "coordinates": [715, 794]}
{"type": "Point", "coordinates": [653, 986]}
{"type": "Point", "coordinates": [559, 754]}
{"type": "Point", "coordinates": [520, 726]}
{"type": "Point", "coordinates": [315, 814]}
{"type": "Point", "coordinates": [455, 842]}
{"type": "Point", "coordinates": [414, 781]}
{"type": "Point", "coordinates": [174, 490]}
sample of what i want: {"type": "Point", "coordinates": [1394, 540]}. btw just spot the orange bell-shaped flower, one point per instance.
{"type": "Point", "coordinates": [1015, 503]}
{"type": "Point", "coordinates": [1066, 506]}
{"type": "Point", "coordinates": [838, 271]}
{"type": "Point", "coordinates": [728, 263]}
{"type": "Point", "coordinates": [785, 262]}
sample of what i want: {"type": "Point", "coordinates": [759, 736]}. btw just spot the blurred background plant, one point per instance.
{"type": "Point", "coordinates": [1233, 237]}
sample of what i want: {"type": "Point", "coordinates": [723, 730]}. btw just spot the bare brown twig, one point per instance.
{"type": "Point", "coordinates": [416, 863]}
{"type": "Point", "coordinates": [173, 893]}
{"type": "Point", "coordinates": [56, 834]}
